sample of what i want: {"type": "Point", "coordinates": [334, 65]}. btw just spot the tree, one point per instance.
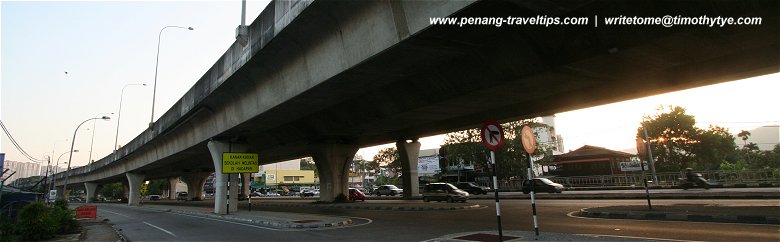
{"type": "Point", "coordinates": [112, 190]}
{"type": "Point", "coordinates": [677, 144]}
{"type": "Point", "coordinates": [466, 146]}
{"type": "Point", "coordinates": [308, 164]}
{"type": "Point", "coordinates": [744, 135]}
{"type": "Point", "coordinates": [714, 146]}
{"type": "Point", "coordinates": [671, 135]}
{"type": "Point", "coordinates": [389, 158]}
{"type": "Point", "coordinates": [156, 187]}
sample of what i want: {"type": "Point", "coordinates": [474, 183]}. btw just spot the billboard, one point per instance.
{"type": "Point", "coordinates": [428, 165]}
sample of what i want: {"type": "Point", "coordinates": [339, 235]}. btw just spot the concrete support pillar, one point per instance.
{"type": "Point", "coordinates": [125, 189]}
{"type": "Point", "coordinates": [195, 182]}
{"type": "Point", "coordinates": [135, 180]}
{"type": "Point", "coordinates": [172, 187]}
{"type": "Point", "coordinates": [408, 153]}
{"type": "Point", "coordinates": [216, 148]}
{"type": "Point", "coordinates": [333, 162]}
{"type": "Point", "coordinates": [245, 185]}
{"type": "Point", "coordinates": [91, 189]}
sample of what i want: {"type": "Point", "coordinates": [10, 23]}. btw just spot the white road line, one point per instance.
{"type": "Point", "coordinates": [231, 222]}
{"type": "Point", "coordinates": [104, 210]}
{"type": "Point", "coordinates": [169, 232]}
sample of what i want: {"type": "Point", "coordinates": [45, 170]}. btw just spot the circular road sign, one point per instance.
{"type": "Point", "coordinates": [492, 135]}
{"type": "Point", "coordinates": [528, 139]}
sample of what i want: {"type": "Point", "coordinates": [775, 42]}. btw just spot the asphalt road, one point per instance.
{"type": "Point", "coordinates": [553, 216]}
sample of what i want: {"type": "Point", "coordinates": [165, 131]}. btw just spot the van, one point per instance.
{"type": "Point", "coordinates": [440, 191]}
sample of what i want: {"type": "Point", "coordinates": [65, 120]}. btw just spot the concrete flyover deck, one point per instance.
{"type": "Point", "coordinates": [324, 78]}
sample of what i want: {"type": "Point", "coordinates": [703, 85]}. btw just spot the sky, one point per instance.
{"type": "Point", "coordinates": [104, 46]}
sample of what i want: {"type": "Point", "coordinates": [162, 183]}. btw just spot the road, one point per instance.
{"type": "Point", "coordinates": [554, 216]}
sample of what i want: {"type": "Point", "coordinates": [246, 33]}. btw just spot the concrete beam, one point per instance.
{"type": "Point", "coordinates": [332, 161]}
{"type": "Point", "coordinates": [408, 153]}
{"type": "Point", "coordinates": [221, 193]}
{"type": "Point", "coordinates": [134, 196]}
{"type": "Point", "coordinates": [91, 189]}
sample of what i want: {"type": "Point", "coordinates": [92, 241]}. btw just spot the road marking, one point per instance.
{"type": "Point", "coordinates": [104, 210]}
{"type": "Point", "coordinates": [633, 237]}
{"type": "Point", "coordinates": [169, 232]}
{"type": "Point", "coordinates": [231, 222]}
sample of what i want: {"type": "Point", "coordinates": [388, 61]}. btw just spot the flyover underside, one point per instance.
{"type": "Point", "coordinates": [447, 78]}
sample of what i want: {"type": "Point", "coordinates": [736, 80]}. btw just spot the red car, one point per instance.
{"type": "Point", "coordinates": [355, 194]}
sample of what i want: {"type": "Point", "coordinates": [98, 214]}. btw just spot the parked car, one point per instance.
{"type": "Point", "coordinates": [154, 197]}
{"type": "Point", "coordinates": [542, 185]}
{"type": "Point", "coordinates": [182, 196]}
{"type": "Point", "coordinates": [440, 191]}
{"type": "Point", "coordinates": [388, 190]}
{"type": "Point", "coordinates": [472, 188]}
{"type": "Point", "coordinates": [355, 194]}
{"type": "Point", "coordinates": [307, 193]}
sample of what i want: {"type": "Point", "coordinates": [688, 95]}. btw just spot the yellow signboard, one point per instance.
{"type": "Point", "coordinates": [240, 163]}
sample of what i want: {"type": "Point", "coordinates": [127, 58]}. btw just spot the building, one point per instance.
{"type": "Point", "coordinates": [22, 169]}
{"type": "Point", "coordinates": [589, 161]}
{"type": "Point", "coordinates": [285, 176]}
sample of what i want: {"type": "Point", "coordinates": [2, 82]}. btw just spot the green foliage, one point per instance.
{"type": "Point", "coordinates": [671, 134]}
{"type": "Point", "coordinates": [156, 187]}
{"type": "Point", "coordinates": [739, 165]}
{"type": "Point", "coordinates": [112, 190]}
{"type": "Point", "coordinates": [7, 230]}
{"type": "Point", "coordinates": [308, 164]}
{"type": "Point", "coordinates": [34, 222]}
{"type": "Point", "coordinates": [714, 145]}
{"type": "Point", "coordinates": [389, 158]}
{"type": "Point", "coordinates": [677, 144]}
{"type": "Point", "coordinates": [65, 219]}
{"type": "Point", "coordinates": [61, 203]}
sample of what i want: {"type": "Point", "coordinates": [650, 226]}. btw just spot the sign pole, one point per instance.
{"type": "Point", "coordinates": [227, 201]}
{"type": "Point", "coordinates": [533, 194]}
{"type": "Point", "coordinates": [528, 140]}
{"type": "Point", "coordinates": [493, 138]}
{"type": "Point", "coordinates": [495, 191]}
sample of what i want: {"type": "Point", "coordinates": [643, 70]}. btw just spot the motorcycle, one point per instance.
{"type": "Point", "coordinates": [697, 181]}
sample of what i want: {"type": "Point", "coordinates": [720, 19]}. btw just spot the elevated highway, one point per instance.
{"type": "Point", "coordinates": [324, 78]}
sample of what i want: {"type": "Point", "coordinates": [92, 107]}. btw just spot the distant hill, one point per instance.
{"type": "Point", "coordinates": [766, 137]}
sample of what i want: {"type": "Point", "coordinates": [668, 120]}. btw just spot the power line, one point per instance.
{"type": "Point", "coordinates": [18, 147]}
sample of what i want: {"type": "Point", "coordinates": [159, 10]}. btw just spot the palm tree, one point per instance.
{"type": "Point", "coordinates": [744, 135]}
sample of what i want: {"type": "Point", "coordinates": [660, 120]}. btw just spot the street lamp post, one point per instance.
{"type": "Point", "coordinates": [70, 158]}
{"type": "Point", "coordinates": [157, 63]}
{"type": "Point", "coordinates": [93, 138]}
{"type": "Point", "coordinates": [58, 165]}
{"type": "Point", "coordinates": [119, 114]}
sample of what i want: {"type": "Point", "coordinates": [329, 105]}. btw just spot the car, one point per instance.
{"type": "Point", "coordinates": [154, 197]}
{"type": "Point", "coordinates": [472, 188]}
{"type": "Point", "coordinates": [388, 190]}
{"type": "Point", "coordinates": [440, 191]}
{"type": "Point", "coordinates": [542, 185]}
{"type": "Point", "coordinates": [182, 196]}
{"type": "Point", "coordinates": [355, 194]}
{"type": "Point", "coordinates": [307, 193]}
